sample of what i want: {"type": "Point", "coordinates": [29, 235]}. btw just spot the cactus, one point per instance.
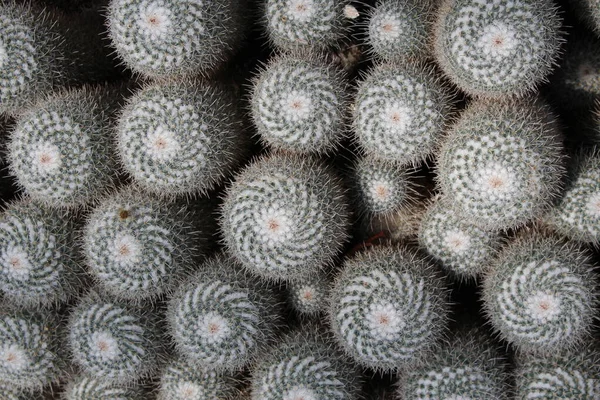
{"type": "Point", "coordinates": [12, 393]}
{"type": "Point", "coordinates": [299, 104]}
{"type": "Point", "coordinates": [309, 296]}
{"type": "Point", "coordinates": [138, 246]}
{"type": "Point", "coordinates": [180, 137]}
{"type": "Point", "coordinates": [222, 318]}
{"type": "Point", "coordinates": [159, 38]}
{"type": "Point", "coordinates": [39, 259]}
{"type": "Point", "coordinates": [400, 112]}
{"type": "Point", "coordinates": [182, 379]}
{"type": "Point", "coordinates": [90, 388]}
{"type": "Point", "coordinates": [501, 164]}
{"type": "Point", "coordinates": [388, 308]}
{"type": "Point", "coordinates": [541, 294]}
{"type": "Point", "coordinates": [285, 217]}
{"type": "Point", "coordinates": [577, 215]}
{"type": "Point", "coordinates": [494, 48]}
{"type": "Point", "coordinates": [30, 354]}
{"type": "Point", "coordinates": [305, 365]}
{"type": "Point", "coordinates": [559, 375]}
{"type": "Point", "coordinates": [305, 24]}
{"type": "Point", "coordinates": [464, 249]}
{"type": "Point", "coordinates": [588, 12]}
{"type": "Point", "coordinates": [399, 30]}
{"type": "Point", "coordinates": [114, 341]}
{"type": "Point", "coordinates": [61, 149]}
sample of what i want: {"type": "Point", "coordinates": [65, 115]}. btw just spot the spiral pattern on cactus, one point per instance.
{"type": "Point", "coordinates": [309, 296]}
{"type": "Point", "coordinates": [90, 388]}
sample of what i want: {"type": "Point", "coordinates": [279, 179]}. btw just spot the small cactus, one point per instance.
{"type": "Point", "coordinates": [388, 308]}
{"type": "Point", "coordinates": [180, 137]}
{"type": "Point", "coordinates": [175, 38]}
{"type": "Point", "coordinates": [495, 48]}
{"type": "Point", "coordinates": [541, 293]}
{"type": "Point", "coordinates": [90, 388]}
{"type": "Point", "coordinates": [285, 217]}
{"type": "Point", "coordinates": [222, 318]}
{"type": "Point", "coordinates": [299, 104]}
{"type": "Point", "coordinates": [400, 112]}
{"type": "Point", "coordinates": [309, 296]}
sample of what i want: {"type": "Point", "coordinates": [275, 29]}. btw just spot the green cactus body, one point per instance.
{"type": "Point", "coordinates": [495, 48]}
{"type": "Point", "coordinates": [299, 104]}
{"type": "Point", "coordinates": [138, 246]}
{"type": "Point", "coordinates": [285, 217]}
{"type": "Point", "coordinates": [305, 366]}
{"type": "Point", "coordinates": [222, 318]}
{"type": "Point", "coordinates": [400, 112]}
{"type": "Point", "coordinates": [399, 30]}
{"type": "Point", "coordinates": [309, 296]}
{"type": "Point", "coordinates": [559, 375]}
{"type": "Point", "coordinates": [39, 261]}
{"type": "Point", "coordinates": [541, 294]}
{"type": "Point", "coordinates": [180, 137]}
{"type": "Point", "coordinates": [182, 379]}
{"type": "Point", "coordinates": [501, 163]}
{"type": "Point", "coordinates": [29, 351]}
{"type": "Point", "coordinates": [308, 24]}
{"type": "Point", "coordinates": [61, 149]}
{"type": "Point", "coordinates": [161, 38]}
{"type": "Point", "coordinates": [578, 213]}
{"type": "Point", "coordinates": [462, 248]}
{"type": "Point", "coordinates": [89, 388]}
{"type": "Point", "coordinates": [113, 341]}
{"type": "Point", "coordinates": [388, 308]}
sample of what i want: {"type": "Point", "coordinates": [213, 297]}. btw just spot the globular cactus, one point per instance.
{"type": "Point", "coordinates": [306, 24]}
{"type": "Point", "coordinates": [161, 38]}
{"type": "Point", "coordinates": [138, 246]}
{"type": "Point", "coordinates": [61, 149]}
{"type": "Point", "coordinates": [183, 379]}
{"type": "Point", "coordinates": [400, 30]}
{"type": "Point", "coordinates": [285, 217]}
{"type": "Point", "coordinates": [305, 365]}
{"type": "Point", "coordinates": [464, 249]}
{"type": "Point", "coordinates": [501, 163]}
{"type": "Point", "coordinates": [30, 350]}
{"type": "Point", "coordinates": [299, 104]}
{"type": "Point", "coordinates": [39, 259]}
{"type": "Point", "coordinates": [388, 308]}
{"type": "Point", "coordinates": [114, 341]}
{"type": "Point", "coordinates": [577, 215]}
{"type": "Point", "coordinates": [309, 296]}
{"type": "Point", "coordinates": [222, 318]}
{"type": "Point", "coordinates": [92, 388]}
{"type": "Point", "coordinates": [494, 48]}
{"type": "Point", "coordinates": [468, 366]}
{"type": "Point", "coordinates": [400, 112]}
{"type": "Point", "coordinates": [180, 137]}
{"type": "Point", "coordinates": [541, 294]}
{"type": "Point", "coordinates": [588, 11]}
{"type": "Point", "coordinates": [559, 375]}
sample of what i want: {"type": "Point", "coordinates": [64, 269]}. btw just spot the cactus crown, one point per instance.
{"type": "Point", "coordinates": [309, 296]}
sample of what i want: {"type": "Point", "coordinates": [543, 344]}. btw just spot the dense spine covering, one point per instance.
{"type": "Point", "coordinates": [305, 365]}
{"type": "Point", "coordinates": [541, 293]}
{"type": "Point", "coordinates": [91, 388]}
{"type": "Point", "coordinates": [299, 104]}
{"type": "Point", "coordinates": [495, 48]}
{"type": "Point", "coordinates": [399, 30]}
{"type": "Point", "coordinates": [161, 38]}
{"type": "Point", "coordinates": [222, 318]}
{"type": "Point", "coordinates": [138, 246]}
{"type": "Point", "coordinates": [388, 308]}
{"type": "Point", "coordinates": [181, 137]}
{"type": "Point", "coordinates": [400, 112]}
{"type": "Point", "coordinates": [307, 24]}
{"type": "Point", "coordinates": [588, 12]}
{"type": "Point", "coordinates": [61, 149]}
{"type": "Point", "coordinates": [39, 259]}
{"type": "Point", "coordinates": [285, 216]}
{"type": "Point", "coordinates": [309, 296]}
{"type": "Point", "coordinates": [113, 341]}
{"type": "Point", "coordinates": [502, 163]}
{"type": "Point", "coordinates": [30, 354]}
{"type": "Point", "coordinates": [462, 248]}
{"type": "Point", "coordinates": [559, 375]}
{"type": "Point", "coordinates": [183, 379]}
